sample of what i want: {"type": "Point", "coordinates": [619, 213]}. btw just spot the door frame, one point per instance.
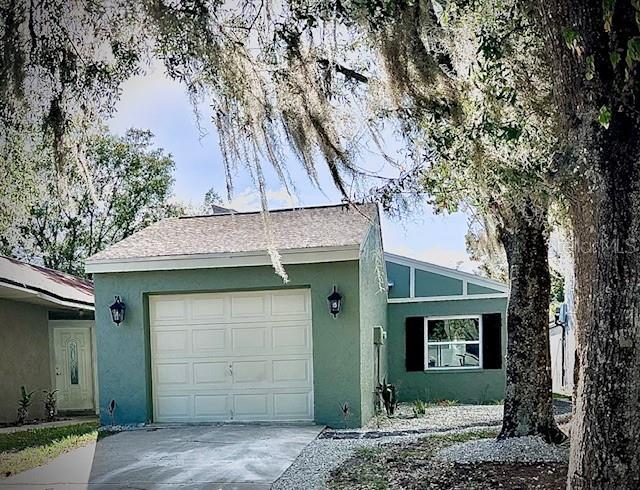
{"type": "Point", "coordinates": [90, 324]}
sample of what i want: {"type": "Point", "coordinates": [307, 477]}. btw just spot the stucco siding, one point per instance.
{"type": "Point", "coordinates": [465, 386]}
{"type": "Point", "coordinates": [124, 352]}
{"type": "Point", "coordinates": [373, 312]}
{"type": "Point", "coordinates": [24, 356]}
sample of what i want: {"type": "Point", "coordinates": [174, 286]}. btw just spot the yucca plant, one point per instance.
{"type": "Point", "coordinates": [419, 408]}
{"type": "Point", "coordinates": [23, 405]}
{"type": "Point", "coordinates": [50, 404]}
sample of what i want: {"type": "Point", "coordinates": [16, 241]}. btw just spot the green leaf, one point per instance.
{"type": "Point", "coordinates": [614, 56]}
{"type": "Point", "coordinates": [607, 10]}
{"type": "Point", "coordinates": [591, 69]}
{"type": "Point", "coordinates": [571, 37]}
{"type": "Point", "coordinates": [633, 50]}
{"type": "Point", "coordinates": [604, 116]}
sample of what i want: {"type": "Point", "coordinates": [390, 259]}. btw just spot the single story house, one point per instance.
{"type": "Point", "coordinates": [211, 333]}
{"type": "Point", "coordinates": [47, 339]}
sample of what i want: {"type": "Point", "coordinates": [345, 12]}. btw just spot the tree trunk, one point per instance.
{"type": "Point", "coordinates": [605, 437]}
{"type": "Point", "coordinates": [528, 407]}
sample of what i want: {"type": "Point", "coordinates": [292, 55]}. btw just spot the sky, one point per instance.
{"type": "Point", "coordinates": [161, 105]}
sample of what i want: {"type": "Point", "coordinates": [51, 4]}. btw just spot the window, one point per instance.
{"type": "Point", "coordinates": [453, 342]}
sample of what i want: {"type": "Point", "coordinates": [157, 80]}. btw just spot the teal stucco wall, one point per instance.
{"type": "Point", "coordinates": [465, 386]}
{"type": "Point", "coordinates": [430, 284]}
{"type": "Point", "coordinates": [398, 275]}
{"type": "Point", "coordinates": [124, 352]}
{"type": "Point", "coordinates": [373, 312]}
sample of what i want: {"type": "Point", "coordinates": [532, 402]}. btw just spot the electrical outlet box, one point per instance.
{"type": "Point", "coordinates": [379, 335]}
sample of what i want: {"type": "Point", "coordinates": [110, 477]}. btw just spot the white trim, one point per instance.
{"type": "Point", "coordinates": [240, 259]}
{"type": "Point", "coordinates": [45, 297]}
{"type": "Point", "coordinates": [91, 325]}
{"type": "Point", "coordinates": [480, 365]}
{"type": "Point", "coordinates": [412, 282]}
{"type": "Point", "coordinates": [446, 271]}
{"type": "Point", "coordinates": [427, 299]}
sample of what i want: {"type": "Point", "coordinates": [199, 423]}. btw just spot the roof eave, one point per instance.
{"type": "Point", "coordinates": [220, 260]}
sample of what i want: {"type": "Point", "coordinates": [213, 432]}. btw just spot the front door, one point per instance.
{"type": "Point", "coordinates": [73, 368]}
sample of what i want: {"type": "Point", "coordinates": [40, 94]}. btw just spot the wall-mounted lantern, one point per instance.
{"type": "Point", "coordinates": [117, 311]}
{"type": "Point", "coordinates": [335, 302]}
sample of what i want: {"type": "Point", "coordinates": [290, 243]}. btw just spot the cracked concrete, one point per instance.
{"type": "Point", "coordinates": [225, 457]}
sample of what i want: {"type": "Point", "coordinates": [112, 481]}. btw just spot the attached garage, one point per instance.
{"type": "Point", "coordinates": [239, 356]}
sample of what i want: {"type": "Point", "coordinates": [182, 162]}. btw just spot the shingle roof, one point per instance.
{"type": "Point", "coordinates": [46, 284]}
{"type": "Point", "coordinates": [326, 226]}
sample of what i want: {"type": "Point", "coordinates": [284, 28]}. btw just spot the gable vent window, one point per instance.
{"type": "Point", "coordinates": [453, 343]}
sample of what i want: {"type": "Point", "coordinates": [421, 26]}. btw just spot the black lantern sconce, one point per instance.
{"type": "Point", "coordinates": [335, 302]}
{"type": "Point", "coordinates": [117, 311]}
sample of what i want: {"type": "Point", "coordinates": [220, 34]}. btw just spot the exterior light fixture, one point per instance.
{"type": "Point", "coordinates": [335, 302]}
{"type": "Point", "coordinates": [117, 311]}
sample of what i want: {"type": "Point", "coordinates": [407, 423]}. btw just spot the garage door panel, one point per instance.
{"type": "Point", "coordinates": [208, 307]}
{"type": "Point", "coordinates": [172, 342]}
{"type": "Point", "coordinates": [251, 405]}
{"type": "Point", "coordinates": [209, 339]}
{"type": "Point", "coordinates": [166, 310]}
{"type": "Point", "coordinates": [244, 306]}
{"type": "Point", "coordinates": [232, 356]}
{"type": "Point", "coordinates": [171, 407]}
{"type": "Point", "coordinates": [290, 337]}
{"type": "Point", "coordinates": [292, 405]}
{"type": "Point", "coordinates": [291, 370]}
{"type": "Point", "coordinates": [174, 373]}
{"type": "Point", "coordinates": [211, 406]}
{"type": "Point", "coordinates": [253, 372]}
{"type": "Point", "coordinates": [248, 339]}
{"type": "Point", "coordinates": [289, 304]}
{"type": "Point", "coordinates": [210, 373]}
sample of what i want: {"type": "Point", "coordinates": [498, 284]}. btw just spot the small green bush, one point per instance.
{"type": "Point", "coordinates": [419, 408]}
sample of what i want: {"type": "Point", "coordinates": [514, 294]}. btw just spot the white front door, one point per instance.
{"type": "Point", "coordinates": [73, 367]}
{"type": "Point", "coordinates": [232, 356]}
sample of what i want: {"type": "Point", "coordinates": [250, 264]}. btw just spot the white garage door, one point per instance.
{"type": "Point", "coordinates": [232, 356]}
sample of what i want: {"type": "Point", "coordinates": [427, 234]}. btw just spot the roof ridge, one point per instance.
{"type": "Point", "coordinates": [279, 210]}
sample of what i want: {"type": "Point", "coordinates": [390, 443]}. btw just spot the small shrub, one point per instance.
{"type": "Point", "coordinates": [447, 403]}
{"type": "Point", "coordinates": [23, 405]}
{"type": "Point", "coordinates": [419, 408]}
{"type": "Point", "coordinates": [50, 404]}
{"type": "Point", "coordinates": [388, 395]}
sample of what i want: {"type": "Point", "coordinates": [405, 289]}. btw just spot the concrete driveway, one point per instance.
{"type": "Point", "coordinates": [200, 456]}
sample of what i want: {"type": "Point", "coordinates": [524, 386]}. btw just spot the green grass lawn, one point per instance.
{"type": "Point", "coordinates": [20, 451]}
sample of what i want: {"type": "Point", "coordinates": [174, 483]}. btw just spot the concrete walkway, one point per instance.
{"type": "Point", "coordinates": [225, 457]}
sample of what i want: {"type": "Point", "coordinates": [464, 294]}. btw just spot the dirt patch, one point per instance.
{"type": "Point", "coordinates": [413, 466]}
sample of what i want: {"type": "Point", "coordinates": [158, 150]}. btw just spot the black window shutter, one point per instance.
{"type": "Point", "coordinates": [414, 346]}
{"type": "Point", "coordinates": [492, 341]}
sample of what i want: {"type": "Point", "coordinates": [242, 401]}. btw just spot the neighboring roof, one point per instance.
{"type": "Point", "coordinates": [298, 229]}
{"type": "Point", "coordinates": [34, 284]}
{"type": "Point", "coordinates": [447, 271]}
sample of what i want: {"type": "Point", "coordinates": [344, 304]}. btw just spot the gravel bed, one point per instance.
{"type": "Point", "coordinates": [531, 449]}
{"type": "Point", "coordinates": [313, 466]}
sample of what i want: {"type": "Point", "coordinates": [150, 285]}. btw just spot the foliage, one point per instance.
{"type": "Point", "coordinates": [23, 450]}
{"type": "Point", "coordinates": [50, 404]}
{"type": "Point", "coordinates": [388, 395]}
{"type": "Point", "coordinates": [447, 403]}
{"type": "Point", "coordinates": [420, 407]}
{"type": "Point", "coordinates": [132, 185]}
{"type": "Point", "coordinates": [24, 403]}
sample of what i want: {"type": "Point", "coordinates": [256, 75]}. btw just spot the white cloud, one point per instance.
{"type": "Point", "coordinates": [454, 259]}
{"type": "Point", "coordinates": [249, 200]}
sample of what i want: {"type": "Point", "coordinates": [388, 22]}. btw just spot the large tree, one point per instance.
{"type": "Point", "coordinates": [131, 185]}
{"type": "Point", "coordinates": [593, 48]}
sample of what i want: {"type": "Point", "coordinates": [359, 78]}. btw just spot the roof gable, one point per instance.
{"type": "Point", "coordinates": [243, 234]}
